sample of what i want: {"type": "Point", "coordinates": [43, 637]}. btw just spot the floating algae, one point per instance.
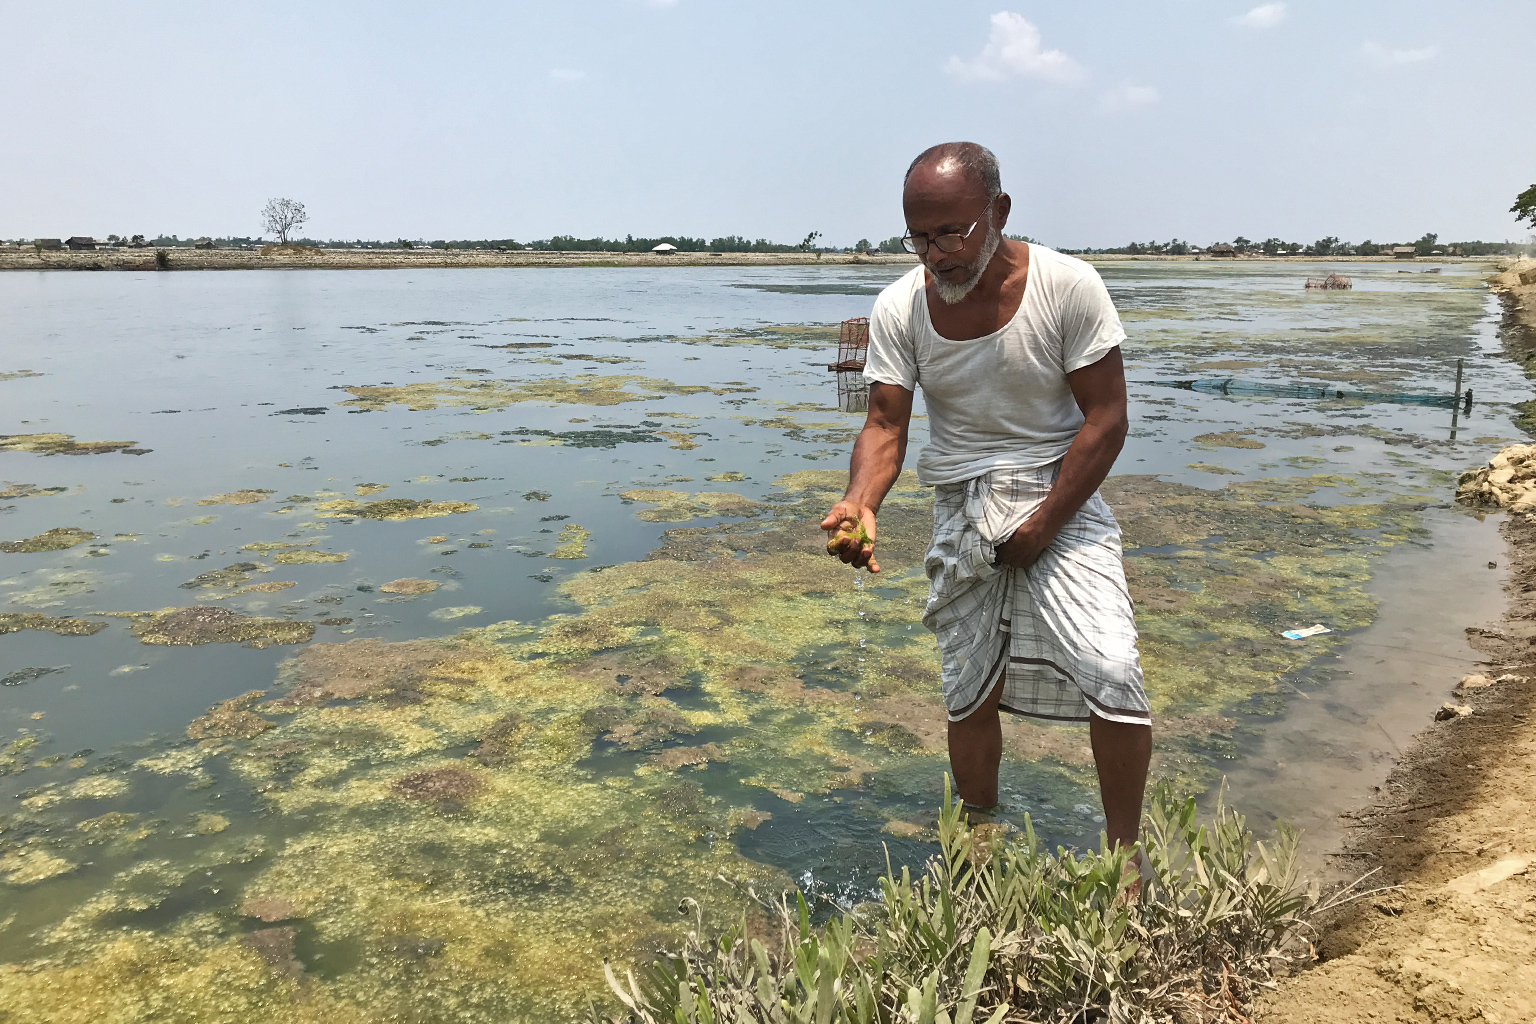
{"type": "Point", "coordinates": [485, 395]}
{"type": "Point", "coordinates": [30, 865]}
{"type": "Point", "coordinates": [65, 444]}
{"type": "Point", "coordinates": [368, 490]}
{"type": "Point", "coordinates": [229, 576]}
{"type": "Point", "coordinates": [11, 622]}
{"type": "Point", "coordinates": [1228, 439]}
{"type": "Point", "coordinates": [304, 556]}
{"type": "Point", "coordinates": [242, 497]}
{"type": "Point", "coordinates": [230, 719]}
{"type": "Point", "coordinates": [462, 611]}
{"type": "Point", "coordinates": [19, 374]}
{"type": "Point", "coordinates": [57, 539]}
{"type": "Point", "coordinates": [572, 542]}
{"type": "Point", "coordinates": [21, 677]}
{"type": "Point", "coordinates": [207, 624]}
{"type": "Point", "coordinates": [524, 852]}
{"type": "Point", "coordinates": [847, 530]}
{"type": "Point", "coordinates": [680, 441]}
{"type": "Point", "coordinates": [389, 906]}
{"type": "Point", "coordinates": [680, 506]}
{"type": "Point", "coordinates": [267, 588]}
{"type": "Point", "coordinates": [599, 437]}
{"type": "Point", "coordinates": [13, 490]}
{"type": "Point", "coordinates": [394, 509]}
{"type": "Point", "coordinates": [409, 587]}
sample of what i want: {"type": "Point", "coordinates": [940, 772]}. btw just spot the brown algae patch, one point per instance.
{"type": "Point", "coordinates": [18, 374]}
{"type": "Point", "coordinates": [65, 444]}
{"type": "Point", "coordinates": [57, 539]}
{"type": "Point", "coordinates": [208, 624]}
{"type": "Point", "coordinates": [394, 509]}
{"type": "Point", "coordinates": [368, 490]}
{"type": "Point", "coordinates": [484, 395]}
{"type": "Point", "coordinates": [448, 787]}
{"type": "Point", "coordinates": [410, 587]}
{"type": "Point", "coordinates": [241, 497]}
{"type": "Point", "coordinates": [14, 490]}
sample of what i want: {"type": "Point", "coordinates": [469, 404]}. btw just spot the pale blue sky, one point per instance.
{"type": "Point", "coordinates": [1113, 121]}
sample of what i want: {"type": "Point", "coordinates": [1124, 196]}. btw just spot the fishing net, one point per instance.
{"type": "Point", "coordinates": [1233, 386]}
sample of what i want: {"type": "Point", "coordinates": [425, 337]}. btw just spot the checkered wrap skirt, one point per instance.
{"type": "Point", "coordinates": [1060, 636]}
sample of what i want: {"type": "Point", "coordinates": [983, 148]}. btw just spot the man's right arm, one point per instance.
{"type": "Point", "coordinates": [877, 457]}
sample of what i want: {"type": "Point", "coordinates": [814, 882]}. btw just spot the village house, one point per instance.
{"type": "Point", "coordinates": [47, 244]}
{"type": "Point", "coordinates": [79, 242]}
{"type": "Point", "coordinates": [1404, 252]}
{"type": "Point", "coordinates": [1223, 249]}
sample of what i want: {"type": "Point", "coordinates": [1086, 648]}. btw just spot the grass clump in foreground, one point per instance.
{"type": "Point", "coordinates": [999, 930]}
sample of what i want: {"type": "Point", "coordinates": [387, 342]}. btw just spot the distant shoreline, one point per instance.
{"type": "Point", "coordinates": [413, 259]}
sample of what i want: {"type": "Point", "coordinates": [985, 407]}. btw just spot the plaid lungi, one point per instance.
{"type": "Point", "coordinates": [1059, 635]}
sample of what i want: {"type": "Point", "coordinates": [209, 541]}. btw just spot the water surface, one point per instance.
{"type": "Point", "coordinates": [619, 671]}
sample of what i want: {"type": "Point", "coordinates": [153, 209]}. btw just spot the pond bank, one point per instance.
{"type": "Point", "coordinates": [420, 259]}
{"type": "Point", "coordinates": [1453, 831]}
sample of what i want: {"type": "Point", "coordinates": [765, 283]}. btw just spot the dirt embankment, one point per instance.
{"type": "Point", "coordinates": [1453, 830]}
{"type": "Point", "coordinates": [410, 259]}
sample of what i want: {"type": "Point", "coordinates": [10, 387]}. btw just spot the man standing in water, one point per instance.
{"type": "Point", "coordinates": [1017, 349]}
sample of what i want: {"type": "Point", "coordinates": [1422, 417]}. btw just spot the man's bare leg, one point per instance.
{"type": "Point", "coordinates": [976, 751]}
{"type": "Point", "coordinates": [1121, 752]}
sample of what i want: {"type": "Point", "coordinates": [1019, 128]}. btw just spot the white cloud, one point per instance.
{"type": "Point", "coordinates": [1013, 48]}
{"type": "Point", "coordinates": [1128, 97]}
{"type": "Point", "coordinates": [1385, 57]}
{"type": "Point", "coordinates": [567, 74]}
{"type": "Point", "coordinates": [1262, 16]}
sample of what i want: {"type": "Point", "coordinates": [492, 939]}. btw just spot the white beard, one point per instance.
{"type": "Point", "coordinates": [953, 293]}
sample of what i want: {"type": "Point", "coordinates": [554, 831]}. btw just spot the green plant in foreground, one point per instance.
{"type": "Point", "coordinates": [998, 930]}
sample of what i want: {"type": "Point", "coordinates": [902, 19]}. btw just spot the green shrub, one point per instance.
{"type": "Point", "coordinates": [998, 930]}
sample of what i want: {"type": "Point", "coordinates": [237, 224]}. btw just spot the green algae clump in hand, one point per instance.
{"type": "Point", "coordinates": [850, 529]}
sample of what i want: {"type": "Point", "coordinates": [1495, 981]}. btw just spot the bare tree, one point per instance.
{"type": "Point", "coordinates": [281, 216]}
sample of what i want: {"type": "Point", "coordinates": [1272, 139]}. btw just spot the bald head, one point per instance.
{"type": "Point", "coordinates": [965, 165]}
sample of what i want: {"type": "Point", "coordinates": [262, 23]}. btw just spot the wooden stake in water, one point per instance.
{"type": "Point", "coordinates": [1456, 409]}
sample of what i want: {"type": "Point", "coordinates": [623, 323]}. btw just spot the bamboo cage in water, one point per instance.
{"type": "Point", "coordinates": [852, 348]}
{"type": "Point", "coordinates": [1333, 282]}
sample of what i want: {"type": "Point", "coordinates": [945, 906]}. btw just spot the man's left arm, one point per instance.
{"type": "Point", "coordinates": [1099, 389]}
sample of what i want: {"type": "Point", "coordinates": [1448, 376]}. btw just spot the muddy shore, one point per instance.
{"type": "Point", "coordinates": [407, 259]}
{"type": "Point", "coordinates": [1451, 838]}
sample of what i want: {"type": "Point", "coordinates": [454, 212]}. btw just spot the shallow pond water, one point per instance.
{"type": "Point", "coordinates": [397, 645]}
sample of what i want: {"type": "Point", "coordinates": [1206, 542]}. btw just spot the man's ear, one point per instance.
{"type": "Point", "coordinates": [1004, 206]}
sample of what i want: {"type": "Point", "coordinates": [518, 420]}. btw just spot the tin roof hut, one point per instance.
{"type": "Point", "coordinates": [665, 248]}
{"type": "Point", "coordinates": [1404, 252]}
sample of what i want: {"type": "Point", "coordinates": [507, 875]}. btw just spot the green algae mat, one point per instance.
{"type": "Point", "coordinates": [479, 657]}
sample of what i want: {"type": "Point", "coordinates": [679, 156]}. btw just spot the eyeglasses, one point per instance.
{"type": "Point", "coordinates": [918, 244]}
